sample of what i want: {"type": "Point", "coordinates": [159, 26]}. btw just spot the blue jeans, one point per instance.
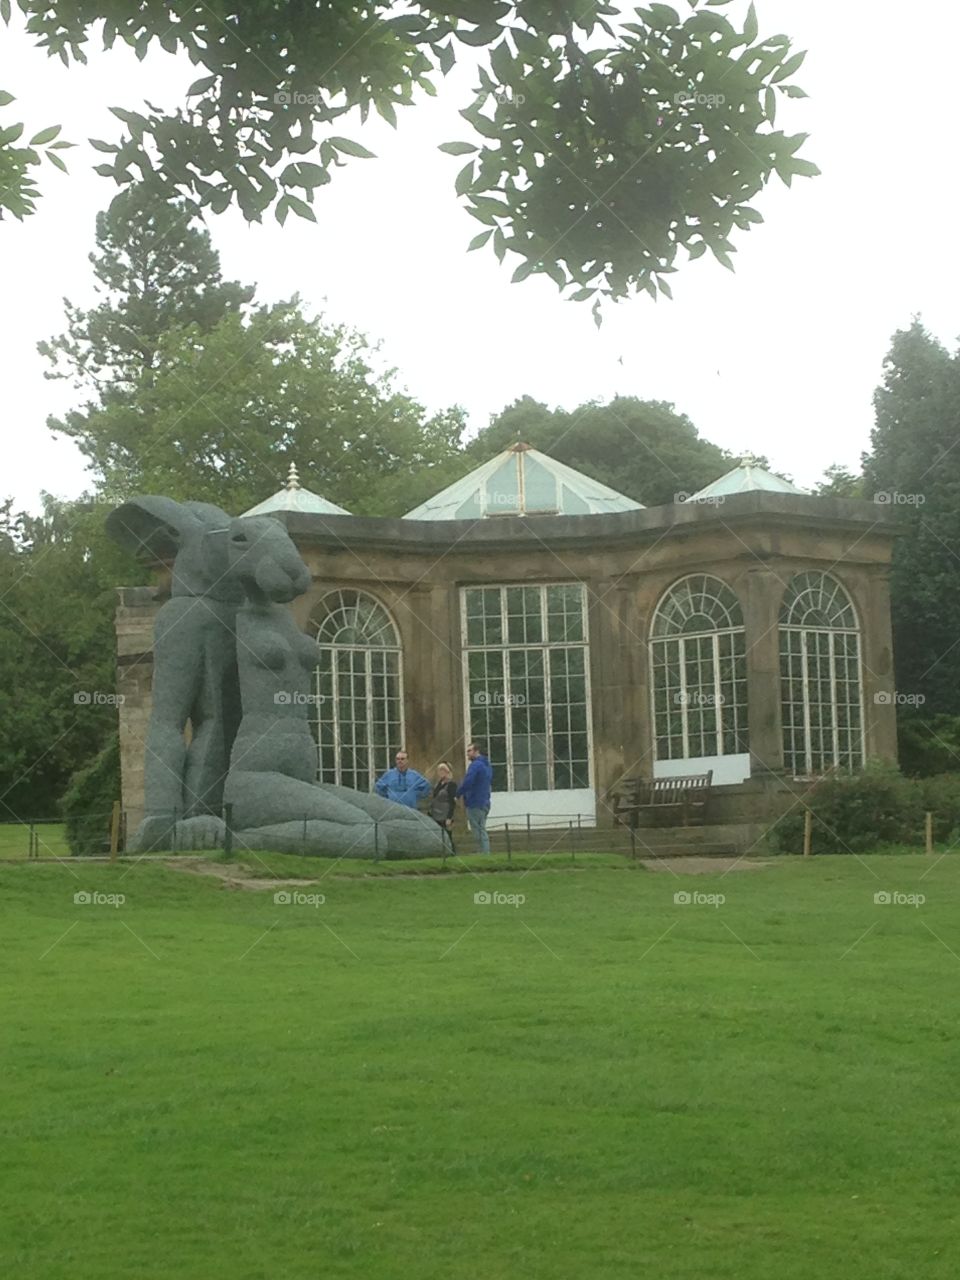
{"type": "Point", "coordinates": [478, 825]}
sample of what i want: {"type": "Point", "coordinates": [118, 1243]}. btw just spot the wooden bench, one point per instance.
{"type": "Point", "coordinates": [671, 797]}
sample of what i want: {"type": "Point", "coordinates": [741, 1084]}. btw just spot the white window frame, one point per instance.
{"type": "Point", "coordinates": [545, 647]}
{"type": "Point", "coordinates": [740, 710]}
{"type": "Point", "coordinates": [374, 768]}
{"type": "Point", "coordinates": [806, 704]}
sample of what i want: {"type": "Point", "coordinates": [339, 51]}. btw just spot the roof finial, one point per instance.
{"type": "Point", "coordinates": [749, 460]}
{"type": "Point", "coordinates": [293, 480]}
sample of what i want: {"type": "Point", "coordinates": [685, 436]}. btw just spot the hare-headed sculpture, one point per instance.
{"type": "Point", "coordinates": [276, 802]}
{"type": "Point", "coordinates": [195, 668]}
{"type": "Point", "coordinates": [228, 658]}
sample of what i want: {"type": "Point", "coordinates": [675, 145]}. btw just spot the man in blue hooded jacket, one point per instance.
{"type": "Point", "coordinates": [475, 790]}
{"type": "Point", "coordinates": [403, 785]}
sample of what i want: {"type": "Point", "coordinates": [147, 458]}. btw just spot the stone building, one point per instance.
{"type": "Point", "coordinates": [744, 630]}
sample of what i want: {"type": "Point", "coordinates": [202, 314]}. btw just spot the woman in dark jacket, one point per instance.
{"type": "Point", "coordinates": [443, 802]}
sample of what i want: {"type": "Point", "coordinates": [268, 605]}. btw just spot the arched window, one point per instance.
{"type": "Point", "coordinates": [358, 714]}
{"type": "Point", "coordinates": [820, 676]}
{"type": "Point", "coordinates": [699, 671]}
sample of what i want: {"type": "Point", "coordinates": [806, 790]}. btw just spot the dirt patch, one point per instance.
{"type": "Point", "coordinates": [235, 876]}
{"type": "Point", "coordinates": [691, 866]}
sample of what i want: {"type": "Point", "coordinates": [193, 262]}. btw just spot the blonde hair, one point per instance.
{"type": "Point", "coordinates": [444, 765]}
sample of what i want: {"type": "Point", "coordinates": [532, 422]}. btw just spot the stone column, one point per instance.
{"type": "Point", "coordinates": [871, 593]}
{"type": "Point", "coordinates": [137, 609]}
{"type": "Point", "coordinates": [761, 592]}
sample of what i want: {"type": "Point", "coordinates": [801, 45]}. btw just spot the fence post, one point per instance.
{"type": "Point", "coordinates": [376, 840]}
{"type": "Point", "coordinates": [633, 842]}
{"type": "Point", "coordinates": [573, 847]}
{"type": "Point", "coordinates": [115, 831]}
{"type": "Point", "coordinates": [929, 831]}
{"type": "Point", "coordinates": [228, 831]}
{"type": "Point", "coordinates": [506, 832]}
{"type": "Point", "coordinates": [528, 833]}
{"type": "Point", "coordinates": [34, 845]}
{"type": "Point", "coordinates": [807, 832]}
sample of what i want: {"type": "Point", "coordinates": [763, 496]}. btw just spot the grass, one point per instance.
{"type": "Point", "coordinates": [598, 1083]}
{"type": "Point", "coordinates": [15, 840]}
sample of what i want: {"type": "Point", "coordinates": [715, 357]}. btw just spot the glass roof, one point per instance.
{"type": "Point", "coordinates": [522, 481]}
{"type": "Point", "coordinates": [746, 477]}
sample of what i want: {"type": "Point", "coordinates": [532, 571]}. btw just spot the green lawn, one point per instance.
{"type": "Point", "coordinates": [15, 840]}
{"type": "Point", "coordinates": [596, 1083]}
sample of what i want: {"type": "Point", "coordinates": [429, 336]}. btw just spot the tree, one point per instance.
{"type": "Point", "coordinates": [57, 651]}
{"type": "Point", "coordinates": [156, 270]}
{"type": "Point", "coordinates": [226, 411]}
{"type": "Point", "coordinates": [914, 466]}
{"type": "Point", "coordinates": [18, 164]}
{"type": "Point", "coordinates": [601, 147]}
{"type": "Point", "coordinates": [840, 482]}
{"type": "Point", "coordinates": [642, 448]}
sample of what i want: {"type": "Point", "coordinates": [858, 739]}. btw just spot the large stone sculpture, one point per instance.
{"type": "Point", "coordinates": [195, 668]}
{"type": "Point", "coordinates": [225, 642]}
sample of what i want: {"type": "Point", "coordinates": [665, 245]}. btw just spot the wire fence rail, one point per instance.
{"type": "Point", "coordinates": [107, 834]}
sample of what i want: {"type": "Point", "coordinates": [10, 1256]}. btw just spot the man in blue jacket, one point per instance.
{"type": "Point", "coordinates": [403, 784]}
{"type": "Point", "coordinates": [475, 790]}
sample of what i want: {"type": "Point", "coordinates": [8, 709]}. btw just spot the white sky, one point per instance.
{"type": "Point", "coordinates": [780, 358]}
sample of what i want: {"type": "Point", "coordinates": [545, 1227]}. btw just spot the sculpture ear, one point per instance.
{"type": "Point", "coordinates": [153, 527]}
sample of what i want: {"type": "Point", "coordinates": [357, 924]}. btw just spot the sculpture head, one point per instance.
{"type": "Point", "coordinates": [265, 562]}
{"type": "Point", "coordinates": [194, 535]}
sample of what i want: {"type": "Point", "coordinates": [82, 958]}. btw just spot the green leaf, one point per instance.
{"type": "Point", "coordinates": [55, 159]}
{"type": "Point", "coordinates": [386, 111]}
{"type": "Point", "coordinates": [698, 250]}
{"type": "Point", "coordinates": [11, 134]}
{"type": "Point", "coordinates": [789, 67]}
{"type": "Point", "coordinates": [480, 36]}
{"type": "Point", "coordinates": [458, 148]}
{"type": "Point", "coordinates": [770, 104]}
{"type": "Point", "coordinates": [479, 240]}
{"type": "Point", "coordinates": [202, 85]}
{"type": "Point", "coordinates": [282, 209]}
{"type": "Point", "coordinates": [752, 25]}
{"type": "Point", "coordinates": [522, 272]}
{"type": "Point", "coordinates": [5, 10]}
{"type": "Point", "coordinates": [97, 145]}
{"type": "Point", "coordinates": [581, 295]}
{"type": "Point", "coordinates": [6, 98]}
{"type": "Point", "coordinates": [464, 179]}
{"type": "Point", "coordinates": [793, 91]}
{"type": "Point", "coordinates": [44, 136]}
{"type": "Point", "coordinates": [665, 289]}
{"type": "Point", "coordinates": [301, 207]}
{"type": "Point", "coordinates": [351, 148]}
{"type": "Point", "coordinates": [447, 57]}
{"type": "Point", "coordinates": [804, 168]}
